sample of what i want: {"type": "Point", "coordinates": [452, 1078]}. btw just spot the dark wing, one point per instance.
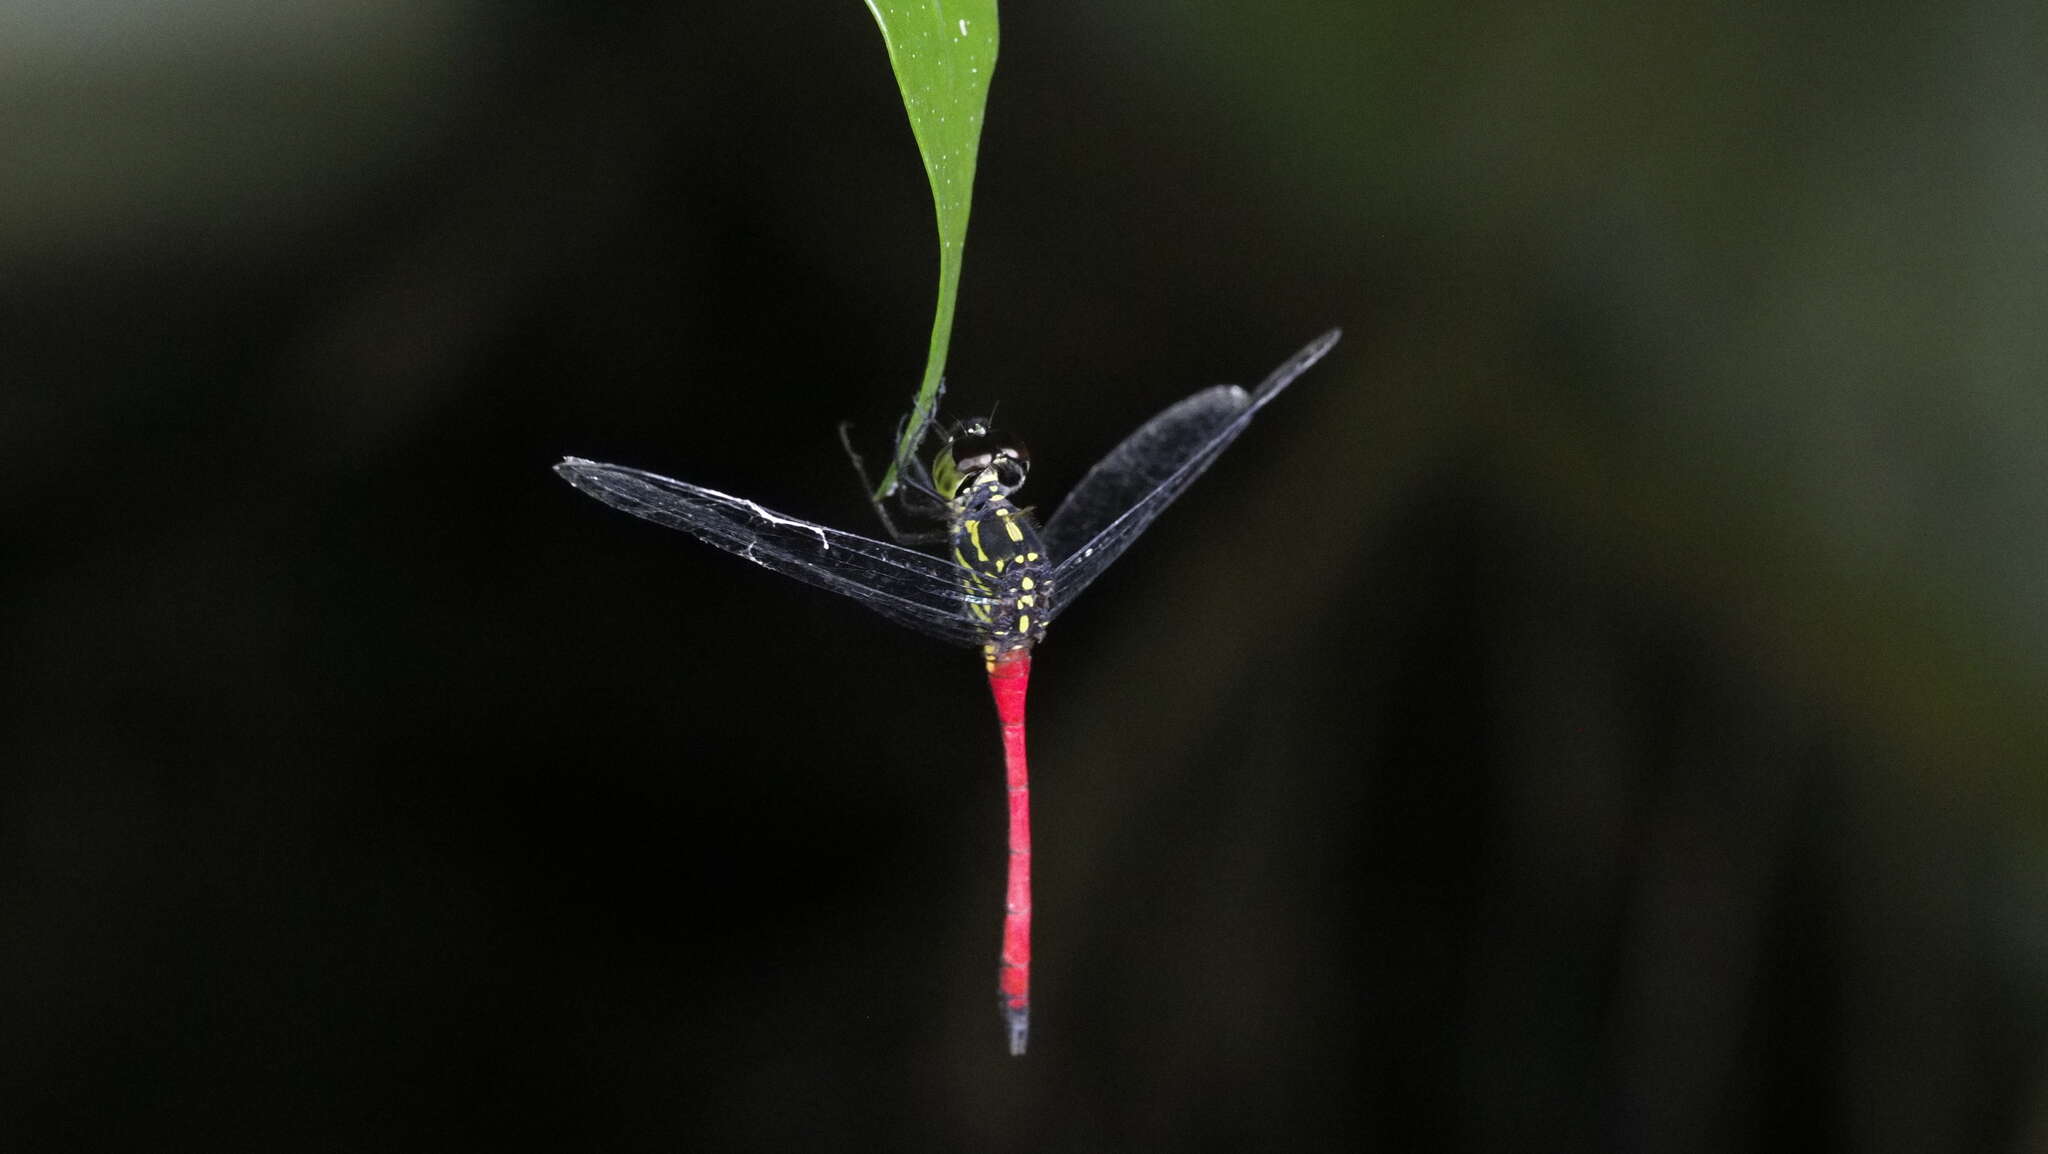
{"type": "Point", "coordinates": [1140, 465]}
{"type": "Point", "coordinates": [908, 587]}
{"type": "Point", "coordinates": [1126, 490]}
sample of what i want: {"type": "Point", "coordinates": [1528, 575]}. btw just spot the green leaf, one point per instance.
{"type": "Point", "coordinates": [943, 52]}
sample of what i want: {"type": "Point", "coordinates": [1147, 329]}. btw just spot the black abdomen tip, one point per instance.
{"type": "Point", "coordinates": [1019, 1019]}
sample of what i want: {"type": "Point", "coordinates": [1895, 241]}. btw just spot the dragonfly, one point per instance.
{"type": "Point", "coordinates": [1001, 580]}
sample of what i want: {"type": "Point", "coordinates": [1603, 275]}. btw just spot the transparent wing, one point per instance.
{"type": "Point", "coordinates": [1128, 489]}
{"type": "Point", "coordinates": [907, 587]}
{"type": "Point", "coordinates": [1138, 466]}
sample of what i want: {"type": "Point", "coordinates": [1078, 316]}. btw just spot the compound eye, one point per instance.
{"type": "Point", "coordinates": [968, 441]}
{"type": "Point", "coordinates": [1010, 467]}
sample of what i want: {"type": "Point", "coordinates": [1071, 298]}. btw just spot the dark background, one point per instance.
{"type": "Point", "coordinates": [1600, 708]}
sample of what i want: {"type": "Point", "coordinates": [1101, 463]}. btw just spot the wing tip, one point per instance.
{"type": "Point", "coordinates": [1318, 348]}
{"type": "Point", "coordinates": [1297, 364]}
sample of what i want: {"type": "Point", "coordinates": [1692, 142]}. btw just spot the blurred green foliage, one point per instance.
{"type": "Point", "coordinates": [1600, 710]}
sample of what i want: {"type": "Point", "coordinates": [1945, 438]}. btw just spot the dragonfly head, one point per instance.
{"type": "Point", "coordinates": [972, 456]}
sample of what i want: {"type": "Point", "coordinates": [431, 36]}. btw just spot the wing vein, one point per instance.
{"type": "Point", "coordinates": [911, 588]}
{"type": "Point", "coordinates": [1134, 463]}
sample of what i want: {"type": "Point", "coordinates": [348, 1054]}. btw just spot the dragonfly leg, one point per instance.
{"type": "Point", "coordinates": [913, 476]}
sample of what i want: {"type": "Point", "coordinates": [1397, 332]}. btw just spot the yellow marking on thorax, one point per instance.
{"type": "Point", "coordinates": [974, 535]}
{"type": "Point", "coordinates": [969, 575]}
{"type": "Point", "coordinates": [1028, 583]}
{"type": "Point", "coordinates": [1024, 623]}
{"type": "Point", "coordinates": [1015, 530]}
